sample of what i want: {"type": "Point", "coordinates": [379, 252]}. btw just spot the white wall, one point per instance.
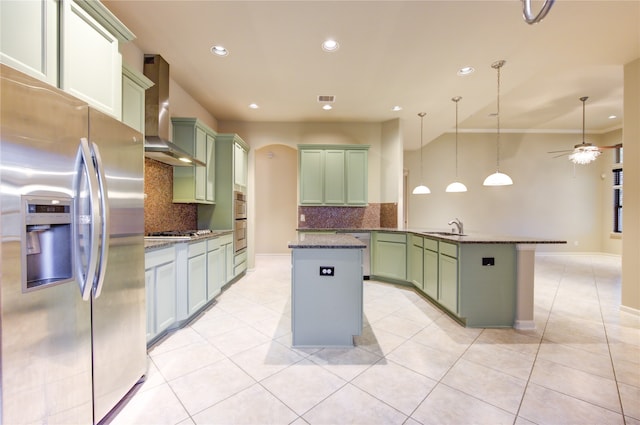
{"type": "Point", "coordinates": [550, 197]}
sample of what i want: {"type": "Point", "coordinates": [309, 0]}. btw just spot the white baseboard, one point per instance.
{"type": "Point", "coordinates": [524, 325]}
{"type": "Point", "coordinates": [630, 310]}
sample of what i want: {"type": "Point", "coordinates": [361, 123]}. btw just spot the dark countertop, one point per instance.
{"type": "Point", "coordinates": [156, 242]}
{"type": "Point", "coordinates": [329, 240]}
{"type": "Point", "coordinates": [475, 238]}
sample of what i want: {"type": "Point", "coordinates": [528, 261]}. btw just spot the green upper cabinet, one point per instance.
{"type": "Point", "coordinates": [194, 184]}
{"type": "Point", "coordinates": [333, 175]}
{"type": "Point", "coordinates": [70, 44]}
{"type": "Point", "coordinates": [241, 164]}
{"type": "Point", "coordinates": [134, 85]}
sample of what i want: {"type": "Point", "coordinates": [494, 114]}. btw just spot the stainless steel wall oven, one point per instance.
{"type": "Point", "coordinates": [240, 222]}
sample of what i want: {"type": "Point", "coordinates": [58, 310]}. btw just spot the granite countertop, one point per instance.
{"type": "Point", "coordinates": [154, 242]}
{"type": "Point", "coordinates": [330, 240]}
{"type": "Point", "coordinates": [470, 238]}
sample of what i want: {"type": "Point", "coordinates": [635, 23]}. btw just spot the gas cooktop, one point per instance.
{"type": "Point", "coordinates": [178, 234]}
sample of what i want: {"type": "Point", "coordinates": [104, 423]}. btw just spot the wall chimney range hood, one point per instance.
{"type": "Point", "coordinates": [156, 124]}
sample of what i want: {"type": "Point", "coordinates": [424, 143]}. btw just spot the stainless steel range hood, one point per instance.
{"type": "Point", "coordinates": [157, 144]}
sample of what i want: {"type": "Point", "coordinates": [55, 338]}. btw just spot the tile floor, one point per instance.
{"type": "Point", "coordinates": [412, 364]}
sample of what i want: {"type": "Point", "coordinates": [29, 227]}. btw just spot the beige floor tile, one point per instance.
{"type": "Point", "coordinates": [446, 405]}
{"type": "Point", "coordinates": [545, 406]}
{"type": "Point", "coordinates": [238, 340]}
{"type": "Point", "coordinates": [156, 406]}
{"type": "Point", "coordinates": [378, 342]}
{"type": "Point", "coordinates": [174, 340]}
{"type": "Point", "coordinates": [181, 361]}
{"type": "Point", "coordinates": [395, 385]}
{"type": "Point", "coordinates": [422, 359]}
{"type": "Point", "coordinates": [496, 357]}
{"type": "Point", "coordinates": [303, 385]}
{"type": "Point", "coordinates": [265, 359]}
{"type": "Point", "coordinates": [255, 405]}
{"type": "Point", "coordinates": [630, 396]}
{"type": "Point", "coordinates": [207, 386]}
{"type": "Point", "coordinates": [587, 361]}
{"type": "Point", "coordinates": [346, 363]}
{"type": "Point", "coordinates": [627, 372]}
{"type": "Point", "coordinates": [442, 337]}
{"type": "Point", "coordinates": [397, 325]}
{"type": "Point", "coordinates": [350, 405]}
{"type": "Point", "coordinates": [489, 385]}
{"type": "Point", "coordinates": [576, 383]}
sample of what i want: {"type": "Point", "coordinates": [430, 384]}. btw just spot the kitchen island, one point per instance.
{"type": "Point", "coordinates": [326, 290]}
{"type": "Point", "coordinates": [480, 280]}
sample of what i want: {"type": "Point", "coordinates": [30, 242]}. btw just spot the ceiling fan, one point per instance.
{"type": "Point", "coordinates": [584, 153]}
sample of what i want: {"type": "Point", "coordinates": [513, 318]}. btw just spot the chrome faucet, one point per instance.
{"type": "Point", "coordinates": [458, 224]}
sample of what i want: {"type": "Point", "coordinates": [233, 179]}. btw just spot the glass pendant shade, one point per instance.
{"type": "Point", "coordinates": [456, 187]}
{"type": "Point", "coordinates": [498, 179]}
{"type": "Point", "coordinates": [421, 189]}
{"type": "Point", "coordinates": [584, 155]}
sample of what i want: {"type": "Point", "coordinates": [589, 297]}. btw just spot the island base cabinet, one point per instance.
{"type": "Point", "coordinates": [326, 310]}
{"type": "Point", "coordinates": [448, 294]}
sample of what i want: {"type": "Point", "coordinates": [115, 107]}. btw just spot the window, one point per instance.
{"type": "Point", "coordinates": [617, 191]}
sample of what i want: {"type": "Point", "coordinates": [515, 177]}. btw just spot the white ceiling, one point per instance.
{"type": "Point", "coordinates": [396, 53]}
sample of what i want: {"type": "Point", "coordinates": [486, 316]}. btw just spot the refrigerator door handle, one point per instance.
{"type": "Point", "coordinates": [85, 163]}
{"type": "Point", "coordinates": [104, 234]}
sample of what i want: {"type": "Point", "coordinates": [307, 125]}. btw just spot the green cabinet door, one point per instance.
{"type": "Point", "coordinates": [210, 195]}
{"type": "Point", "coordinates": [357, 176]}
{"type": "Point", "coordinates": [416, 262]}
{"type": "Point", "coordinates": [197, 279]}
{"type": "Point", "coordinates": [334, 190]}
{"type": "Point", "coordinates": [430, 261]}
{"type": "Point", "coordinates": [448, 294]}
{"type": "Point", "coordinates": [311, 176]}
{"type": "Point", "coordinates": [390, 255]}
{"type": "Point", "coordinates": [165, 301]}
{"type": "Point", "coordinates": [194, 184]}
{"type": "Point", "coordinates": [214, 271]}
{"type": "Point", "coordinates": [149, 286]}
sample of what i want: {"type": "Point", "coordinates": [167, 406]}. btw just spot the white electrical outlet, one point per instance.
{"type": "Point", "coordinates": [302, 217]}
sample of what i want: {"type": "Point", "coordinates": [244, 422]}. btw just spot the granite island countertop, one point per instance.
{"type": "Point", "coordinates": [326, 241]}
{"type": "Point", "coordinates": [467, 238]}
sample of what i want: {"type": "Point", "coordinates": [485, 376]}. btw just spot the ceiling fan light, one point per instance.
{"type": "Point", "coordinates": [421, 190]}
{"type": "Point", "coordinates": [498, 179]}
{"type": "Point", "coordinates": [584, 155]}
{"type": "Point", "coordinates": [456, 187]}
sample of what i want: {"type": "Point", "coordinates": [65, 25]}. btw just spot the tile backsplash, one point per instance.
{"type": "Point", "coordinates": [160, 213]}
{"type": "Point", "coordinates": [372, 216]}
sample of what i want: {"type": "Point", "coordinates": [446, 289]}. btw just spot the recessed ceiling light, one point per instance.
{"type": "Point", "coordinates": [613, 117]}
{"type": "Point", "coordinates": [396, 108]}
{"type": "Point", "coordinates": [253, 106]}
{"type": "Point", "coordinates": [219, 50]}
{"type": "Point", "coordinates": [466, 70]}
{"type": "Point", "coordinates": [327, 107]}
{"type": "Point", "coordinates": [330, 45]}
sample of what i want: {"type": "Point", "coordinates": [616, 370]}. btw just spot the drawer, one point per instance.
{"type": "Point", "coordinates": [197, 248]}
{"type": "Point", "coordinates": [160, 256]}
{"type": "Point", "coordinates": [240, 258]}
{"type": "Point", "coordinates": [213, 244]}
{"type": "Point", "coordinates": [392, 237]}
{"type": "Point", "coordinates": [431, 244]}
{"type": "Point", "coordinates": [417, 240]}
{"type": "Point", "coordinates": [226, 239]}
{"type": "Point", "coordinates": [449, 249]}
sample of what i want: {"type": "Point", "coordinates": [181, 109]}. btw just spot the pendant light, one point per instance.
{"type": "Point", "coordinates": [456, 186]}
{"type": "Point", "coordinates": [421, 189]}
{"type": "Point", "coordinates": [585, 152]}
{"type": "Point", "coordinates": [498, 178]}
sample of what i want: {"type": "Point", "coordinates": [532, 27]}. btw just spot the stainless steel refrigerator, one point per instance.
{"type": "Point", "coordinates": [72, 297]}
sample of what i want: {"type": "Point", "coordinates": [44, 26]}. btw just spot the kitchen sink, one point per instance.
{"type": "Point", "coordinates": [444, 233]}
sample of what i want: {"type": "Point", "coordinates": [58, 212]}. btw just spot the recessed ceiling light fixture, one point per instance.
{"type": "Point", "coordinates": [253, 106]}
{"type": "Point", "coordinates": [466, 70]}
{"type": "Point", "coordinates": [330, 45]}
{"type": "Point", "coordinates": [327, 107]}
{"type": "Point", "coordinates": [396, 108]}
{"type": "Point", "coordinates": [219, 50]}
{"type": "Point", "coordinates": [613, 117]}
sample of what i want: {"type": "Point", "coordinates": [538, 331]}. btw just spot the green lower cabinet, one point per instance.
{"type": "Point", "coordinates": [214, 268]}
{"type": "Point", "coordinates": [390, 255]}
{"type": "Point", "coordinates": [160, 281]}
